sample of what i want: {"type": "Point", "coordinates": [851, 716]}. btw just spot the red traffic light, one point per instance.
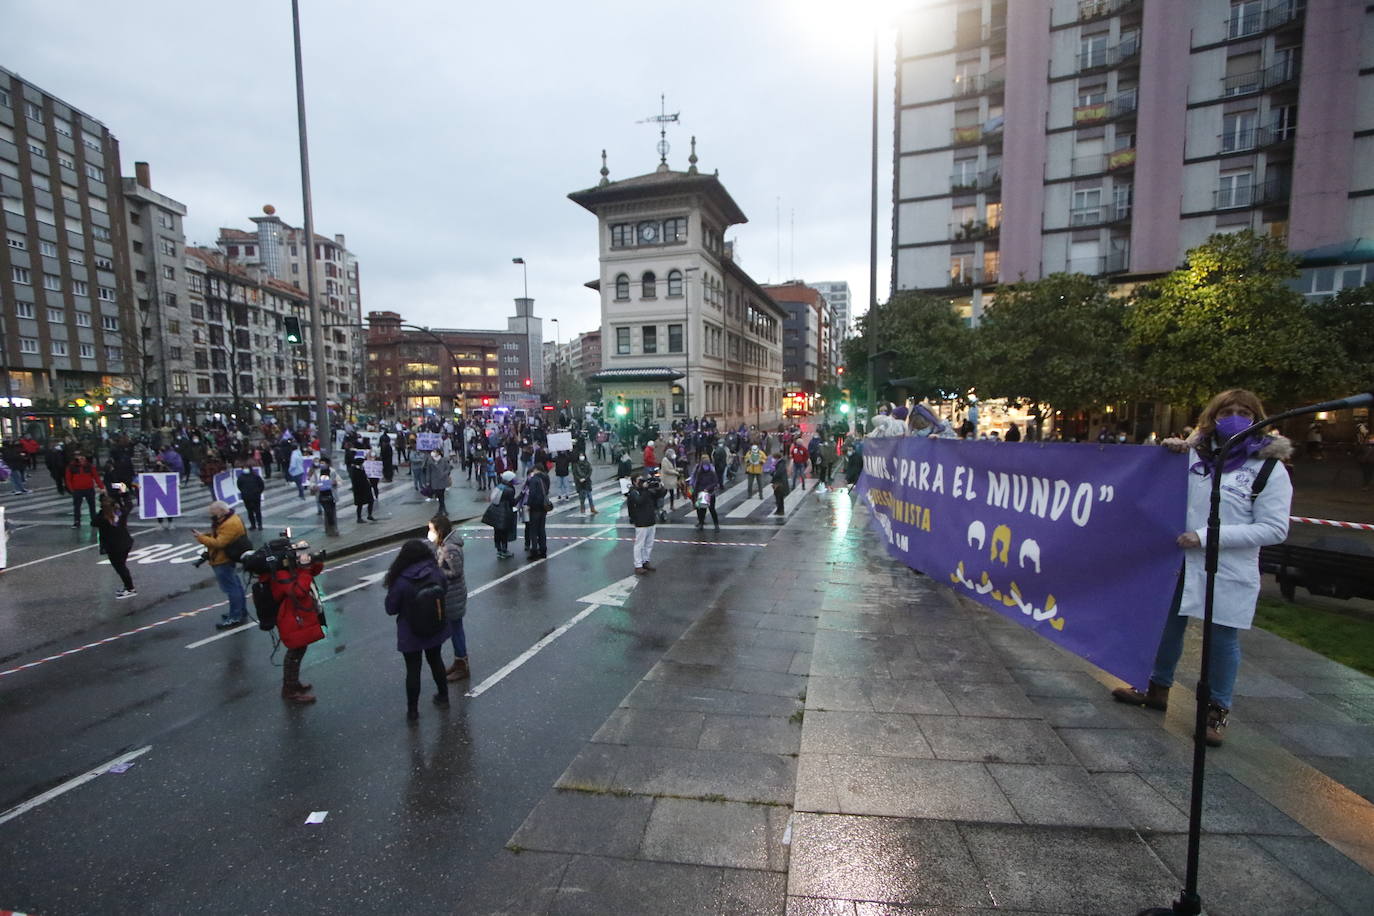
{"type": "Point", "coordinates": [529, 382]}
{"type": "Point", "coordinates": [486, 402]}
{"type": "Point", "coordinates": [548, 407]}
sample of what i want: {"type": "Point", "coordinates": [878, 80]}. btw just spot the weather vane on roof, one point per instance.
{"type": "Point", "coordinates": [662, 119]}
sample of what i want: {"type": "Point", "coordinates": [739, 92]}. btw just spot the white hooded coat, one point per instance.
{"type": "Point", "coordinates": [1246, 526]}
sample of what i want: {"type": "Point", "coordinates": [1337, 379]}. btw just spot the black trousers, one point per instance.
{"type": "Point", "coordinates": [77, 496]}
{"type": "Point", "coordinates": [779, 495]}
{"type": "Point", "coordinates": [120, 565]}
{"type": "Point", "coordinates": [253, 507]}
{"type": "Point", "coordinates": [435, 657]}
{"type": "Point", "coordinates": [701, 514]}
{"type": "Point", "coordinates": [331, 511]}
{"type": "Point", "coordinates": [536, 537]}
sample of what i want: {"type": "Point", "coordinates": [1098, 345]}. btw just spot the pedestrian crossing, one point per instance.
{"type": "Point", "coordinates": [733, 505]}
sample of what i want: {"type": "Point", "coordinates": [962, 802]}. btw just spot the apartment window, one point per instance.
{"type": "Point", "coordinates": [675, 283]}
{"type": "Point", "coordinates": [166, 220]}
{"type": "Point", "coordinates": [100, 233]}
{"type": "Point", "coordinates": [17, 242]}
{"type": "Point", "coordinates": [1238, 131]}
{"type": "Point", "coordinates": [1242, 74]}
{"type": "Point", "coordinates": [674, 338]}
{"type": "Point", "coordinates": [58, 347]}
{"type": "Point", "coordinates": [67, 162]}
{"type": "Point", "coordinates": [648, 285]}
{"type": "Point", "coordinates": [1097, 95]}
{"type": "Point", "coordinates": [49, 249]}
{"type": "Point", "coordinates": [675, 229]}
{"type": "Point", "coordinates": [1234, 190]}
{"type": "Point", "coordinates": [169, 272]}
{"type": "Point", "coordinates": [173, 326]}
{"type": "Point", "coordinates": [109, 322]}
{"type": "Point", "coordinates": [95, 172]}
{"type": "Point", "coordinates": [62, 126]}
{"type": "Point", "coordinates": [87, 351]}
{"type": "Point", "coordinates": [28, 345]}
{"type": "Point", "coordinates": [81, 288]}
{"type": "Point", "coordinates": [23, 309]}
{"type": "Point", "coordinates": [105, 293]}
{"type": "Point", "coordinates": [650, 338]}
{"type": "Point", "coordinates": [91, 141]}
{"type": "Point", "coordinates": [1092, 51]}
{"type": "Point", "coordinates": [174, 352]}
{"type": "Point", "coordinates": [1247, 18]}
{"type": "Point", "coordinates": [56, 316]}
{"type": "Point", "coordinates": [38, 149]}
{"type": "Point", "coordinates": [104, 263]}
{"type": "Point", "coordinates": [622, 341]}
{"type": "Point", "coordinates": [33, 111]}
{"type": "Point", "coordinates": [622, 286]}
{"type": "Point", "coordinates": [83, 319]}
{"type": "Point", "coordinates": [52, 282]}
{"type": "Point", "coordinates": [168, 247]}
{"type": "Point", "coordinates": [114, 353]}
{"type": "Point", "coordinates": [20, 275]}
{"type": "Point", "coordinates": [1087, 206]}
{"type": "Point", "coordinates": [5, 98]}
{"type": "Point", "coordinates": [12, 205]}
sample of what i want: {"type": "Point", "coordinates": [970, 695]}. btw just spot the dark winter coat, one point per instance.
{"type": "Point", "coordinates": [400, 595]}
{"type": "Point", "coordinates": [536, 493]}
{"type": "Point", "coordinates": [449, 555]}
{"type": "Point", "coordinates": [362, 490]}
{"type": "Point", "coordinates": [643, 507]}
{"type": "Point", "coordinates": [115, 539]}
{"type": "Point", "coordinates": [250, 487]}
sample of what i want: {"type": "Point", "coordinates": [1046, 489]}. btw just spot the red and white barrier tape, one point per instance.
{"type": "Point", "coordinates": [657, 540]}
{"type": "Point", "coordinates": [1356, 526]}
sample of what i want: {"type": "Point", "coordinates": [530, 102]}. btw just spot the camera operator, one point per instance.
{"type": "Point", "coordinates": [643, 505]}
{"type": "Point", "coordinates": [227, 541]}
{"type": "Point", "coordinates": [286, 571]}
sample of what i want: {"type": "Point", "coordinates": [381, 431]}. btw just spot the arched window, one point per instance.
{"type": "Point", "coordinates": [675, 283]}
{"type": "Point", "coordinates": [622, 286]}
{"type": "Point", "coordinates": [648, 285]}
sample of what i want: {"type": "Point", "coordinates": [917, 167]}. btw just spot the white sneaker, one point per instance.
{"type": "Point", "coordinates": [126, 593]}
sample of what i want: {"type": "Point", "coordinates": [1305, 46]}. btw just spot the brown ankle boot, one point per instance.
{"type": "Point", "coordinates": [459, 670]}
{"type": "Point", "coordinates": [296, 693]}
{"type": "Point", "coordinates": [1154, 697]}
{"type": "Point", "coordinates": [1216, 724]}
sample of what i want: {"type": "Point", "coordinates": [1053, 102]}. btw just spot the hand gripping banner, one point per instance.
{"type": "Point", "coordinates": [1077, 543]}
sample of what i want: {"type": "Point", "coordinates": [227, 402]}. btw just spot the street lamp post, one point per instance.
{"type": "Point", "coordinates": [557, 330]}
{"type": "Point", "coordinates": [525, 272]}
{"type": "Point", "coordinates": [870, 325]}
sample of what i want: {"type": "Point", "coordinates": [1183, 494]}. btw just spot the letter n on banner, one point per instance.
{"type": "Point", "coordinates": [224, 488]}
{"type": "Point", "coordinates": [159, 496]}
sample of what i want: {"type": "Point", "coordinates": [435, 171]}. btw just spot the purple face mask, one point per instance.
{"type": "Point", "coordinates": [1242, 451]}
{"type": "Point", "coordinates": [1229, 426]}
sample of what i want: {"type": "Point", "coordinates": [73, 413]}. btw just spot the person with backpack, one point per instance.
{"type": "Point", "coordinates": [226, 542]}
{"type": "Point", "coordinates": [112, 524]}
{"type": "Point", "coordinates": [415, 594]}
{"type": "Point", "coordinates": [1256, 498]}
{"type": "Point", "coordinates": [448, 551]}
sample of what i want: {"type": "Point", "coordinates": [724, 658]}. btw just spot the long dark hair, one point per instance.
{"type": "Point", "coordinates": [412, 552]}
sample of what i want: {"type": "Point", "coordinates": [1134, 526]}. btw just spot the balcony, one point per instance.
{"type": "Point", "coordinates": [968, 182]}
{"type": "Point", "coordinates": [1122, 105]}
{"type": "Point", "coordinates": [1272, 77]}
{"type": "Point", "coordinates": [1127, 50]}
{"type": "Point", "coordinates": [1114, 262]}
{"type": "Point", "coordinates": [972, 276]}
{"type": "Point", "coordinates": [1254, 138]}
{"type": "Point", "coordinates": [971, 230]}
{"type": "Point", "coordinates": [1259, 194]}
{"type": "Point", "coordinates": [1088, 10]}
{"type": "Point", "coordinates": [1244, 23]}
{"type": "Point", "coordinates": [991, 132]}
{"type": "Point", "coordinates": [993, 81]}
{"type": "Point", "coordinates": [1091, 114]}
{"type": "Point", "coordinates": [1121, 159]}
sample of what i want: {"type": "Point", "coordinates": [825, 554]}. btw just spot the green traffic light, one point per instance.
{"type": "Point", "coordinates": [844, 408]}
{"type": "Point", "coordinates": [621, 410]}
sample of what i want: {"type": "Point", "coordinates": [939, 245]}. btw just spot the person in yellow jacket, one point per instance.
{"type": "Point", "coordinates": [753, 469]}
{"type": "Point", "coordinates": [224, 541]}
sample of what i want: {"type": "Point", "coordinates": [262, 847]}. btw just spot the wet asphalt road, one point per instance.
{"type": "Point", "coordinates": [211, 819]}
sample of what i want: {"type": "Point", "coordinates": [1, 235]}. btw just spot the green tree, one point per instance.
{"type": "Point", "coordinates": [1347, 318]}
{"type": "Point", "coordinates": [934, 348]}
{"type": "Point", "coordinates": [1227, 319]}
{"type": "Point", "coordinates": [1059, 341]}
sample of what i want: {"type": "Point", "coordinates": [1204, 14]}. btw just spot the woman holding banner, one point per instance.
{"type": "Point", "coordinates": [1256, 495]}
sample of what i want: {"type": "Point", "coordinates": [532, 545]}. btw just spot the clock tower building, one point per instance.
{"type": "Point", "coordinates": [685, 332]}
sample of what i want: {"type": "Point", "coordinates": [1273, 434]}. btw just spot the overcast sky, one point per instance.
{"type": "Point", "coordinates": [445, 135]}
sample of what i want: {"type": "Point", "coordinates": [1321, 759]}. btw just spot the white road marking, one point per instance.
{"type": "Point", "coordinates": [70, 784]}
{"type": "Point", "coordinates": [529, 653]}
{"type": "Point", "coordinates": [528, 566]}
{"type": "Point", "coordinates": [53, 557]}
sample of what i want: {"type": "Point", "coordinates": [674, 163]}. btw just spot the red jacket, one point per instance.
{"type": "Point", "coordinates": [650, 459]}
{"type": "Point", "coordinates": [82, 475]}
{"type": "Point", "coordinates": [298, 617]}
{"type": "Point", "coordinates": [799, 454]}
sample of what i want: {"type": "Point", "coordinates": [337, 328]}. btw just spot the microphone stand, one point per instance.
{"type": "Point", "coordinates": [1189, 902]}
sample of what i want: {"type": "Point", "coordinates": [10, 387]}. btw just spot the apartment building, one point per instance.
{"type": "Point", "coordinates": [1026, 128]}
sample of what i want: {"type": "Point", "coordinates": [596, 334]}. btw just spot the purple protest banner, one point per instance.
{"type": "Point", "coordinates": [159, 496]}
{"type": "Point", "coordinates": [224, 488]}
{"type": "Point", "coordinates": [1075, 542]}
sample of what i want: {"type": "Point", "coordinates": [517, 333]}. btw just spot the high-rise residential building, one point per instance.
{"type": "Point", "coordinates": [66, 303]}
{"type": "Point", "coordinates": [1224, 114]}
{"type": "Point", "coordinates": [584, 354]}
{"type": "Point", "coordinates": [836, 292]}
{"type": "Point", "coordinates": [279, 250]}
{"type": "Point", "coordinates": [686, 330]}
{"type": "Point", "coordinates": [160, 347]}
{"type": "Point", "coordinates": [806, 339]}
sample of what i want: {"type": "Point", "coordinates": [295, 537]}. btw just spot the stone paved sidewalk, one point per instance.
{"type": "Point", "coordinates": [842, 736]}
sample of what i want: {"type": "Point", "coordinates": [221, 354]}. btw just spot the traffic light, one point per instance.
{"type": "Point", "coordinates": [486, 402]}
{"type": "Point", "coordinates": [620, 408]}
{"type": "Point", "coordinates": [528, 382]}
{"type": "Point", "coordinates": [293, 329]}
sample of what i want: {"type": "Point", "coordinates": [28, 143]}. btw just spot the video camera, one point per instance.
{"type": "Point", "coordinates": [281, 553]}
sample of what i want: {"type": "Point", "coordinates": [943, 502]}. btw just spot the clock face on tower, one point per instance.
{"type": "Point", "coordinates": [648, 233]}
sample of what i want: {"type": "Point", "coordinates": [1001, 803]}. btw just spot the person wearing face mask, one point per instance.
{"type": "Point", "coordinates": [1256, 495]}
{"type": "Point", "coordinates": [448, 552]}
{"type": "Point", "coordinates": [705, 484]}
{"type": "Point", "coordinates": [438, 474]}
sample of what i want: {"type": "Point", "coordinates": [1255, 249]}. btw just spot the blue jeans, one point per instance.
{"type": "Point", "coordinates": [563, 486]}
{"type": "Point", "coordinates": [299, 481]}
{"type": "Point", "coordinates": [17, 479]}
{"type": "Point", "coordinates": [227, 575]}
{"type": "Point", "coordinates": [1225, 657]}
{"type": "Point", "coordinates": [460, 639]}
{"type": "Point", "coordinates": [799, 476]}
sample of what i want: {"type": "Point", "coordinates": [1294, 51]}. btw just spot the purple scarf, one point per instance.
{"type": "Point", "coordinates": [1240, 453]}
